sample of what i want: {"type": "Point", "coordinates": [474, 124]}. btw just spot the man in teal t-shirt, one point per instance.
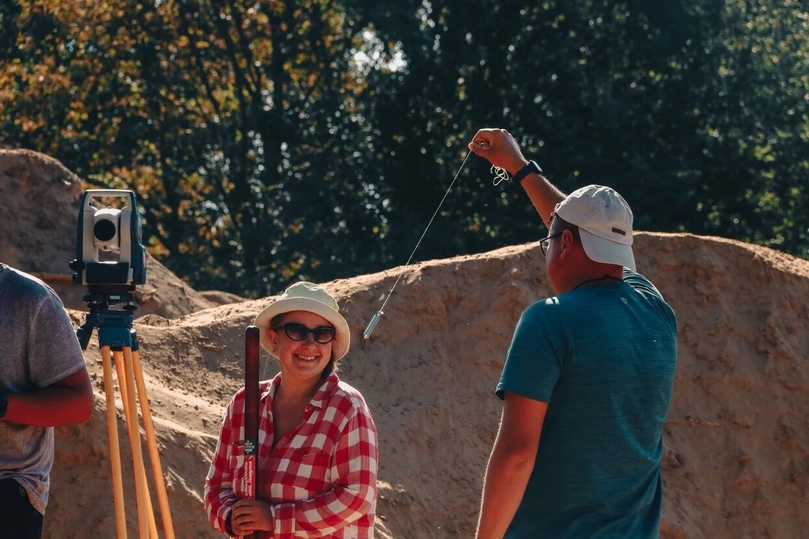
{"type": "Point", "coordinates": [588, 377]}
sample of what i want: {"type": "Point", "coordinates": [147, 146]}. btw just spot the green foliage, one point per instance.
{"type": "Point", "coordinates": [272, 141]}
{"type": "Point", "coordinates": [239, 125]}
{"type": "Point", "coordinates": [696, 111]}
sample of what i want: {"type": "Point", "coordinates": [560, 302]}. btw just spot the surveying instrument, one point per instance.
{"type": "Point", "coordinates": [111, 261]}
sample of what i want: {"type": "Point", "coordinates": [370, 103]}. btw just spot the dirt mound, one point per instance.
{"type": "Point", "coordinates": [736, 444]}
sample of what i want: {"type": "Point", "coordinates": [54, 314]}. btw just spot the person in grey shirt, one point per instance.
{"type": "Point", "coordinates": [43, 383]}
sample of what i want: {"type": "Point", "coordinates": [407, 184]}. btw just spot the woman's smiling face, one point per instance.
{"type": "Point", "coordinates": [301, 360]}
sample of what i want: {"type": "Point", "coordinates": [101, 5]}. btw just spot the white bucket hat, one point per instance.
{"type": "Point", "coordinates": [306, 296]}
{"type": "Point", "coordinates": [605, 223]}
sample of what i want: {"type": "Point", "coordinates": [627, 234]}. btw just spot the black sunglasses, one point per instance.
{"type": "Point", "coordinates": [299, 332]}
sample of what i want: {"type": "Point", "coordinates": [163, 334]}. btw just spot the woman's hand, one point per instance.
{"type": "Point", "coordinates": [248, 516]}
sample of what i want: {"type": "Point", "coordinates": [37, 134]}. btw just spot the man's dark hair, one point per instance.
{"type": "Point", "coordinates": [559, 225]}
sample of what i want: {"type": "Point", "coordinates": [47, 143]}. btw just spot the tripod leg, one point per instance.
{"type": "Point", "coordinates": [118, 359]}
{"type": "Point", "coordinates": [132, 419]}
{"type": "Point", "coordinates": [154, 454]}
{"type": "Point", "coordinates": [133, 427]}
{"type": "Point", "coordinates": [115, 454]}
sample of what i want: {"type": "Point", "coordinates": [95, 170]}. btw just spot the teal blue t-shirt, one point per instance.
{"type": "Point", "coordinates": [603, 358]}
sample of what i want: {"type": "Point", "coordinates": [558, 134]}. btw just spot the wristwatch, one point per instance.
{"type": "Point", "coordinates": [3, 403]}
{"type": "Point", "coordinates": [526, 170]}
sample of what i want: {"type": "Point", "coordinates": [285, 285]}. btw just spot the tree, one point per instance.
{"type": "Point", "coordinates": [240, 125]}
{"type": "Point", "coordinates": [272, 141]}
{"type": "Point", "coordinates": [695, 111]}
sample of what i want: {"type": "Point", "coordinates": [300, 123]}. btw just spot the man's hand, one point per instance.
{"type": "Point", "coordinates": [499, 148]}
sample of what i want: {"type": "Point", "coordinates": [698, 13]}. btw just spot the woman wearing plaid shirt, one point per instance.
{"type": "Point", "coordinates": [317, 439]}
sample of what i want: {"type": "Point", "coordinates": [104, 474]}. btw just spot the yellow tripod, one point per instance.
{"type": "Point", "coordinates": [119, 345]}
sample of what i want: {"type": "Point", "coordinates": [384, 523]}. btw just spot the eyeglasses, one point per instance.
{"type": "Point", "coordinates": [299, 332]}
{"type": "Point", "coordinates": [544, 242]}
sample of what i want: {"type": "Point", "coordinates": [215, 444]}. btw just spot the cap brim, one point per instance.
{"type": "Point", "coordinates": [342, 337]}
{"type": "Point", "coordinates": [606, 251]}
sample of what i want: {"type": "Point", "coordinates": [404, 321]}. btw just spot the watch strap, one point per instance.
{"type": "Point", "coordinates": [526, 170]}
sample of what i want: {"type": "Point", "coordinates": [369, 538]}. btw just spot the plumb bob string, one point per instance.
{"type": "Point", "coordinates": [500, 175]}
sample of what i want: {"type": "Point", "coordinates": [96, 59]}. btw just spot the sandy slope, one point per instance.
{"type": "Point", "coordinates": [736, 443]}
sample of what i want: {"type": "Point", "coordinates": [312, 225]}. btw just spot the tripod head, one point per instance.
{"type": "Point", "coordinates": [114, 325]}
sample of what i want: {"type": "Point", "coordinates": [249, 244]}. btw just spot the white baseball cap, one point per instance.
{"type": "Point", "coordinates": [605, 223]}
{"type": "Point", "coordinates": [306, 296]}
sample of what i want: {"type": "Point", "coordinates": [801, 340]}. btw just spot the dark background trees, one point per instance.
{"type": "Point", "coordinates": [270, 141]}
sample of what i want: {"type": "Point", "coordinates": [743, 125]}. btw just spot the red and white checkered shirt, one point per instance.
{"type": "Point", "coordinates": [320, 479]}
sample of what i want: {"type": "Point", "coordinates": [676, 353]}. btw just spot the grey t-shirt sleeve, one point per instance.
{"type": "Point", "coordinates": [54, 350]}
{"type": "Point", "coordinates": [39, 345]}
